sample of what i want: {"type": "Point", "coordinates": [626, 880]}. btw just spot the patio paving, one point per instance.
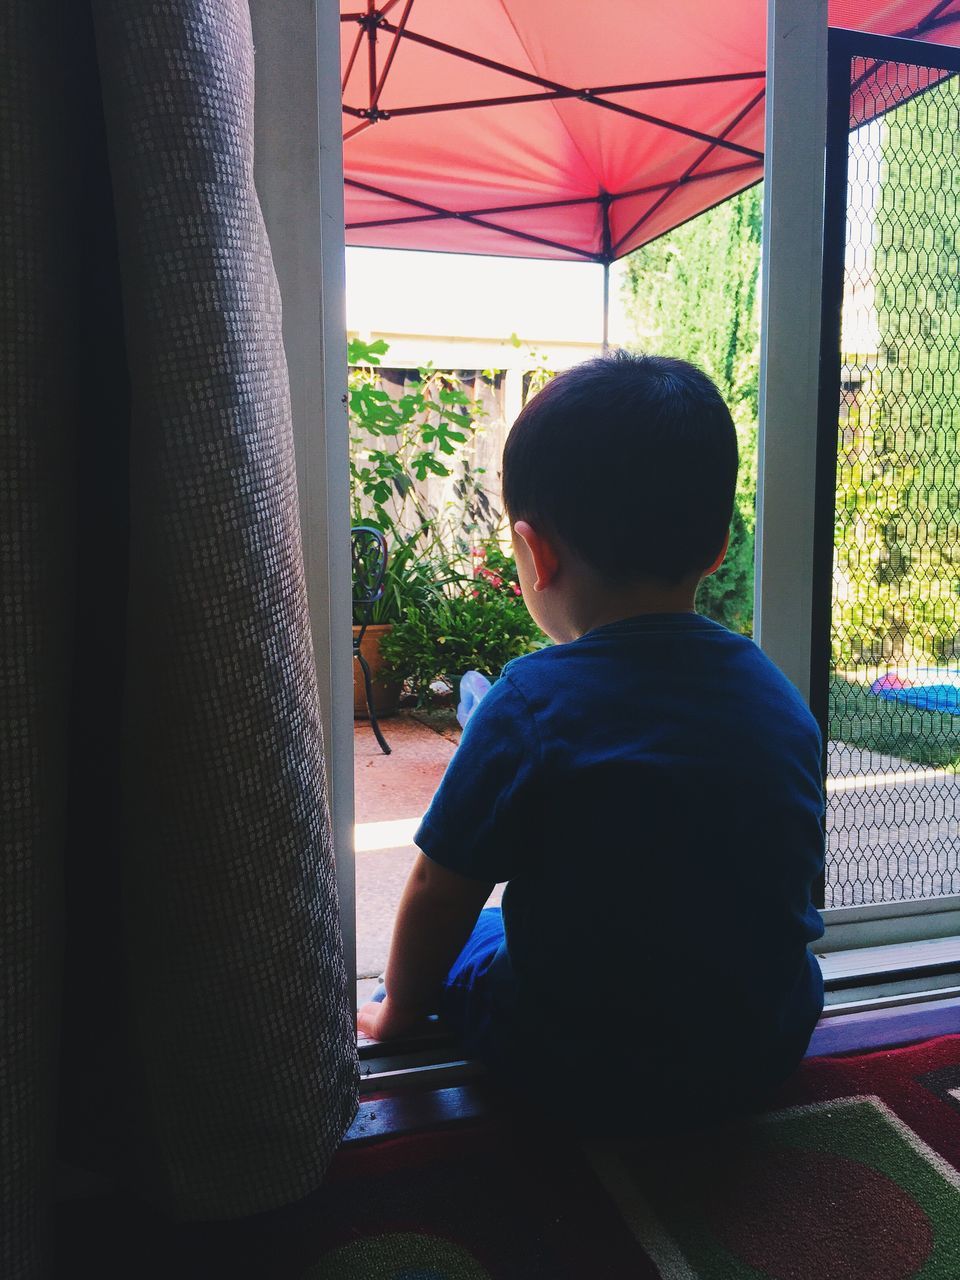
{"type": "Point", "coordinates": [893, 828]}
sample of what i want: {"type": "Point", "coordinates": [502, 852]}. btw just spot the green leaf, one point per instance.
{"type": "Point", "coordinates": [359, 352]}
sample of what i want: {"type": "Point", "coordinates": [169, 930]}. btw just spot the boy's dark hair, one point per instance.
{"type": "Point", "coordinates": [631, 460]}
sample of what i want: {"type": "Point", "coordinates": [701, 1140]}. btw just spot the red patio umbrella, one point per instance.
{"type": "Point", "coordinates": [575, 129]}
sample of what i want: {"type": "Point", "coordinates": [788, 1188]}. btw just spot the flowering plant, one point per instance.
{"type": "Point", "coordinates": [479, 629]}
{"type": "Point", "coordinates": [495, 568]}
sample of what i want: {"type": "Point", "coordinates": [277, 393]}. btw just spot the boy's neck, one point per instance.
{"type": "Point", "coordinates": [590, 606]}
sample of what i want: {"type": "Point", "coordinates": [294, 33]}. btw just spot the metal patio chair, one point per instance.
{"type": "Point", "coordinates": [368, 551]}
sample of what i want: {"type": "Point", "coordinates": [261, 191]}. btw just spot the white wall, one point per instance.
{"type": "Point", "coordinates": [451, 298]}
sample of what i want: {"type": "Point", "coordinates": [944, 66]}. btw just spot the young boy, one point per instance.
{"type": "Point", "coordinates": [649, 788]}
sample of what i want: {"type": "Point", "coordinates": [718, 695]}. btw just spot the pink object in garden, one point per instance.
{"type": "Point", "coordinates": [557, 128]}
{"type": "Point", "coordinates": [890, 681]}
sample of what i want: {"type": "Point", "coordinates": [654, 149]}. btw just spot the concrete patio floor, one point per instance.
{"type": "Point", "coordinates": [392, 793]}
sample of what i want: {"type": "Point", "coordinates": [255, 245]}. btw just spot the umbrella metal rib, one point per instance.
{"type": "Point", "coordinates": [397, 36]}
{"type": "Point", "coordinates": [549, 95]}
{"type": "Point", "coordinates": [935, 18]}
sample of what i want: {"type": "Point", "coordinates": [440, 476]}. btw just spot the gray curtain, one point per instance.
{"type": "Point", "coordinates": [174, 1008]}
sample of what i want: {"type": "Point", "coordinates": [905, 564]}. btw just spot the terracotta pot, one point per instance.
{"type": "Point", "coordinates": [386, 692]}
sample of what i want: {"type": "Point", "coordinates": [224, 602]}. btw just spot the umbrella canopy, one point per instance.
{"type": "Point", "coordinates": [558, 128]}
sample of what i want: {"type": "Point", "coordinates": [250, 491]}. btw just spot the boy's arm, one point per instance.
{"type": "Point", "coordinates": [437, 912]}
{"type": "Point", "coordinates": [474, 835]}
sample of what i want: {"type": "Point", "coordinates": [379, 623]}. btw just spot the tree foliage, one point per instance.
{"type": "Point", "coordinates": [694, 294]}
{"type": "Point", "coordinates": [898, 509]}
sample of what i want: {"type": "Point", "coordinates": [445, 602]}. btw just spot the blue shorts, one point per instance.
{"type": "Point", "coordinates": [479, 996]}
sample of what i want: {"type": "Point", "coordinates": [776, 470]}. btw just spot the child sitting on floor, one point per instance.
{"type": "Point", "coordinates": [649, 787]}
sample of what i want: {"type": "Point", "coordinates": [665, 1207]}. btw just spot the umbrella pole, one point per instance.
{"type": "Point", "coordinates": [606, 307]}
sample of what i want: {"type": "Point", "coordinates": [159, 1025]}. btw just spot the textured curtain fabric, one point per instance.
{"type": "Point", "coordinates": [174, 1006]}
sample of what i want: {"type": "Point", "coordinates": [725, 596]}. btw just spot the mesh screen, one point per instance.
{"type": "Point", "coordinates": [894, 709]}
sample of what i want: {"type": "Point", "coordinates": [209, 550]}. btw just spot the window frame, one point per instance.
{"type": "Point", "coordinates": [800, 371]}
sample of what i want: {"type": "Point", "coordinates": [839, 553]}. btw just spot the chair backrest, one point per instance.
{"type": "Point", "coordinates": [368, 552]}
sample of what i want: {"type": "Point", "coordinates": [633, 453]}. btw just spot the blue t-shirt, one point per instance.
{"type": "Point", "coordinates": [652, 793]}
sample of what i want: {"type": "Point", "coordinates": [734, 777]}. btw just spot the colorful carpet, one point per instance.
{"type": "Point", "coordinates": [852, 1175]}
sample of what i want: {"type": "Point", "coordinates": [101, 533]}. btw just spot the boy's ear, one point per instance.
{"type": "Point", "coordinates": [543, 554]}
{"type": "Point", "coordinates": [720, 558]}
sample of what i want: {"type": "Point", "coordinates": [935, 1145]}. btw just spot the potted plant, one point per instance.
{"type": "Point", "coordinates": [408, 583]}
{"type": "Point", "coordinates": [397, 442]}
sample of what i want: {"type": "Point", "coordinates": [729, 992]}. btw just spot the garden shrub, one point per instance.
{"type": "Point", "coordinates": [480, 628]}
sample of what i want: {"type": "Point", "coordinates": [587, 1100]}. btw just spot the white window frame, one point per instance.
{"type": "Point", "coordinates": [796, 110]}
{"type": "Point", "coordinates": [299, 178]}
